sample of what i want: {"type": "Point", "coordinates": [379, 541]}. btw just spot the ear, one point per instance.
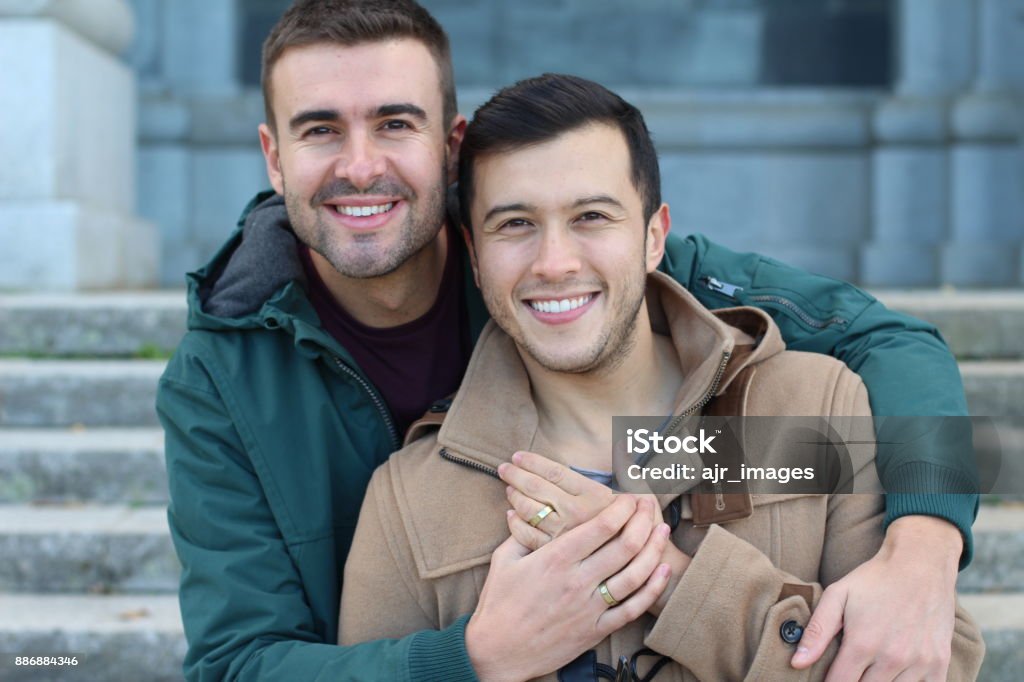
{"type": "Point", "coordinates": [657, 230]}
{"type": "Point", "coordinates": [453, 144]}
{"type": "Point", "coordinates": [268, 143]}
{"type": "Point", "coordinates": [468, 236]}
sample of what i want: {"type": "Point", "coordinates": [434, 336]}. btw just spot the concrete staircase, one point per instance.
{"type": "Point", "coordinates": [86, 564]}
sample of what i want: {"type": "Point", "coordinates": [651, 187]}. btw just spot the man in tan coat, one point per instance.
{"type": "Point", "coordinates": [555, 179]}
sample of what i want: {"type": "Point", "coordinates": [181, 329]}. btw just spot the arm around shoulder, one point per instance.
{"type": "Point", "coordinates": [904, 362]}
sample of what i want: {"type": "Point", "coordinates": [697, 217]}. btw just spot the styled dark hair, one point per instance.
{"type": "Point", "coordinates": [539, 109]}
{"type": "Point", "coordinates": [352, 22]}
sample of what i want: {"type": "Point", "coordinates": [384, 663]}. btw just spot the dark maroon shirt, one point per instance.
{"type": "Point", "coordinates": [416, 363]}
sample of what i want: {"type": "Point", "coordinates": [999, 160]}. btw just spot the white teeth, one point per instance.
{"type": "Point", "coordinates": [560, 306]}
{"type": "Point", "coordinates": [364, 210]}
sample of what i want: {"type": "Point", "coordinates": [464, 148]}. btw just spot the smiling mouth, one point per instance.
{"type": "Point", "coordinates": [562, 305]}
{"type": "Point", "coordinates": [360, 211]}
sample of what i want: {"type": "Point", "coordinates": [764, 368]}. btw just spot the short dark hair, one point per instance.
{"type": "Point", "coordinates": [539, 109]}
{"type": "Point", "coordinates": [352, 22]}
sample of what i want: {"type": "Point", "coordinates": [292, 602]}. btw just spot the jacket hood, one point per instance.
{"type": "Point", "coordinates": [256, 279]}
{"type": "Point", "coordinates": [257, 267]}
{"type": "Point", "coordinates": [713, 348]}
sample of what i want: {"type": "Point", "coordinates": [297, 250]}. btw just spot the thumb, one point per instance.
{"type": "Point", "coordinates": [825, 624]}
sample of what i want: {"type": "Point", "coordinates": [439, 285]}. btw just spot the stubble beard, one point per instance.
{"type": "Point", "coordinates": [364, 257]}
{"type": "Point", "coordinates": [603, 356]}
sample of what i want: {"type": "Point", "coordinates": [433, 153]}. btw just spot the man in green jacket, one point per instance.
{"type": "Point", "coordinates": [343, 308]}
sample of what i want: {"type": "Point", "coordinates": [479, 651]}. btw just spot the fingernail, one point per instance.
{"type": "Point", "coordinates": [508, 490]}
{"type": "Point", "coordinates": [502, 467]}
{"type": "Point", "coordinates": [517, 457]}
{"type": "Point", "coordinates": [664, 530]}
{"type": "Point", "coordinates": [509, 513]}
{"type": "Point", "coordinates": [664, 570]}
{"type": "Point", "coordinates": [800, 655]}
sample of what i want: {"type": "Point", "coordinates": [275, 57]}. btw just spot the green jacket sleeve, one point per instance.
{"type": "Point", "coordinates": [905, 364]}
{"type": "Point", "coordinates": [245, 610]}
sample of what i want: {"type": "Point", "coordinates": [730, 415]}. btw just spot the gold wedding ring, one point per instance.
{"type": "Point", "coordinates": [606, 595]}
{"type": "Point", "coordinates": [541, 515]}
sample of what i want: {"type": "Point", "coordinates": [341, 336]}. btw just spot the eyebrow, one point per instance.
{"type": "Point", "coordinates": [598, 199]}
{"type": "Point", "coordinates": [403, 108]}
{"type": "Point", "coordinates": [303, 117]}
{"type": "Point", "coordinates": [508, 208]}
{"type": "Point", "coordinates": [331, 115]}
{"type": "Point", "coordinates": [583, 201]}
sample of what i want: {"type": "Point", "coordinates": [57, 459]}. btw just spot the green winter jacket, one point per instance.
{"type": "Point", "coordinates": [272, 433]}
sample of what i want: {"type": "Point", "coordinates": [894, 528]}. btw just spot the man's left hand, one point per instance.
{"type": "Point", "coordinates": [534, 481]}
{"type": "Point", "coordinates": [897, 610]}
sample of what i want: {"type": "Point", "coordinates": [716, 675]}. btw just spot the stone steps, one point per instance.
{"type": "Point", "coordinates": [122, 324]}
{"type": "Point", "coordinates": [104, 466]}
{"type": "Point", "coordinates": [976, 324]}
{"type": "Point", "coordinates": [998, 563]}
{"type": "Point", "coordinates": [126, 465]}
{"type": "Point", "coordinates": [119, 549]}
{"type": "Point", "coordinates": [122, 637]}
{"type": "Point", "coordinates": [83, 486]}
{"type": "Point", "coordinates": [37, 393]}
{"type": "Point", "coordinates": [139, 637]}
{"type": "Point", "coordinates": [994, 387]}
{"type": "Point", "coordinates": [110, 393]}
{"type": "Point", "coordinates": [86, 549]}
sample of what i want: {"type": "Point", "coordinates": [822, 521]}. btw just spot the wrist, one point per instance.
{"type": "Point", "coordinates": [482, 656]}
{"type": "Point", "coordinates": [927, 538]}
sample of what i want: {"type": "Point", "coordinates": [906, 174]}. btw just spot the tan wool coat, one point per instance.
{"type": "Point", "coordinates": [435, 511]}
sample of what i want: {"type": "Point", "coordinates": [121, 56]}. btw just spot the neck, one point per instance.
{"type": "Point", "coordinates": [575, 410]}
{"type": "Point", "coordinates": [396, 298]}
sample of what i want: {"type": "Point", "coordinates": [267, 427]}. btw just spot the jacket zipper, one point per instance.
{"type": "Point", "coordinates": [730, 290]}
{"type": "Point", "coordinates": [701, 402]}
{"type": "Point", "coordinates": [719, 497]}
{"type": "Point", "coordinates": [706, 398]}
{"type": "Point", "coordinates": [807, 319]}
{"type": "Point", "coordinates": [721, 287]}
{"type": "Point", "coordinates": [469, 463]}
{"type": "Point", "coordinates": [375, 397]}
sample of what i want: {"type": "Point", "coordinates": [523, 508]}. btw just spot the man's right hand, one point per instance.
{"type": "Point", "coordinates": [540, 610]}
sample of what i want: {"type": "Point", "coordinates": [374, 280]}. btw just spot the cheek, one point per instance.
{"type": "Point", "coordinates": [497, 273]}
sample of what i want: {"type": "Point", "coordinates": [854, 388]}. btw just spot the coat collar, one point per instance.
{"type": "Point", "coordinates": [703, 339]}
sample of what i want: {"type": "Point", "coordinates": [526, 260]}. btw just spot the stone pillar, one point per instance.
{"type": "Point", "coordinates": [988, 161]}
{"type": "Point", "coordinates": [910, 178]}
{"type": "Point", "coordinates": [67, 149]}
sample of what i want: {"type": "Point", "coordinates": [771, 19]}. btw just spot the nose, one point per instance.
{"type": "Point", "coordinates": [558, 255]}
{"type": "Point", "coordinates": [361, 161]}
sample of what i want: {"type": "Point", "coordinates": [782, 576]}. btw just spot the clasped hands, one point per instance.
{"type": "Point", "coordinates": [911, 579]}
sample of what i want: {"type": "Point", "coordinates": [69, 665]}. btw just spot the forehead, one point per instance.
{"type": "Point", "coordinates": [356, 77]}
{"type": "Point", "coordinates": [582, 162]}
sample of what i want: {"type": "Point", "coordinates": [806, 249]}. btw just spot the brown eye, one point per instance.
{"type": "Point", "coordinates": [514, 225]}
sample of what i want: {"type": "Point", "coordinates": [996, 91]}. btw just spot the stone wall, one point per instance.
{"type": "Point", "coordinates": [915, 177]}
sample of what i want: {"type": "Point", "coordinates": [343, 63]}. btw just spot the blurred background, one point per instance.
{"type": "Point", "coordinates": [874, 140]}
{"type": "Point", "coordinates": [880, 141]}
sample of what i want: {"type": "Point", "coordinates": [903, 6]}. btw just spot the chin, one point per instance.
{"type": "Point", "coordinates": [574, 363]}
